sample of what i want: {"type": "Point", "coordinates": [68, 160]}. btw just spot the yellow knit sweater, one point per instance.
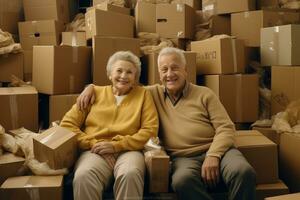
{"type": "Point", "coordinates": [128, 126]}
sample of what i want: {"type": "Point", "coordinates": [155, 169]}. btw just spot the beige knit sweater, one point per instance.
{"type": "Point", "coordinates": [196, 124]}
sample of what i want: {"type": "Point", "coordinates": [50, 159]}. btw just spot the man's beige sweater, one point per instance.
{"type": "Point", "coordinates": [197, 123]}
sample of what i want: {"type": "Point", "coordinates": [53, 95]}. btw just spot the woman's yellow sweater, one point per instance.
{"type": "Point", "coordinates": [128, 126]}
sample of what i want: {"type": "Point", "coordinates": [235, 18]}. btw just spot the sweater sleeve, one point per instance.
{"type": "Point", "coordinates": [148, 129]}
{"type": "Point", "coordinates": [73, 120]}
{"type": "Point", "coordinates": [224, 127]}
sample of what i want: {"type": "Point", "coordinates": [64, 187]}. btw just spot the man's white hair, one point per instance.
{"type": "Point", "coordinates": [174, 51]}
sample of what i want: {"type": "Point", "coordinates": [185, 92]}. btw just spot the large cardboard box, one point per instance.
{"type": "Point", "coordinates": [196, 4]}
{"type": "Point", "coordinates": [108, 23]}
{"type": "Point", "coordinates": [280, 45]}
{"type": "Point", "coordinates": [271, 189]}
{"type": "Point", "coordinates": [57, 146]}
{"type": "Point", "coordinates": [10, 165]}
{"type": "Point", "coordinates": [74, 38]}
{"type": "Point", "coordinates": [46, 32]}
{"type": "Point", "coordinates": [238, 93]}
{"type": "Point", "coordinates": [284, 86]}
{"type": "Point", "coordinates": [289, 162]}
{"type": "Point", "coordinates": [19, 108]}
{"type": "Point", "coordinates": [59, 105]}
{"type": "Point", "coordinates": [157, 163]}
{"type": "Point", "coordinates": [47, 10]}
{"type": "Point", "coordinates": [261, 153]}
{"type": "Point", "coordinates": [27, 65]}
{"type": "Point", "coordinates": [267, 4]}
{"type": "Point", "coordinates": [220, 24]}
{"type": "Point", "coordinates": [32, 187]}
{"type": "Point", "coordinates": [103, 48]}
{"type": "Point", "coordinates": [247, 25]}
{"type": "Point", "coordinates": [145, 17]}
{"type": "Point", "coordinates": [11, 64]}
{"type": "Point", "coordinates": [110, 7]}
{"type": "Point", "coordinates": [228, 6]}
{"type": "Point", "coordinates": [219, 56]}
{"type": "Point", "coordinates": [269, 133]}
{"type": "Point", "coordinates": [294, 196]}
{"type": "Point", "coordinates": [61, 69]}
{"type": "Point", "coordinates": [152, 68]}
{"type": "Point", "coordinates": [11, 12]}
{"type": "Point", "coordinates": [175, 21]}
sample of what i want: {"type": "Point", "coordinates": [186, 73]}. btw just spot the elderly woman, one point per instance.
{"type": "Point", "coordinates": [112, 132]}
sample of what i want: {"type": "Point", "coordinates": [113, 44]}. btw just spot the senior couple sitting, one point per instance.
{"type": "Point", "coordinates": [114, 123]}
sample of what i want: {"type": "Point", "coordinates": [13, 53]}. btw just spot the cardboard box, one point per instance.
{"type": "Point", "coordinates": [145, 17]}
{"type": "Point", "coordinates": [238, 93]}
{"type": "Point", "coordinates": [261, 153]}
{"type": "Point", "coordinates": [10, 165]}
{"type": "Point", "coordinates": [247, 25]}
{"type": "Point", "coordinates": [220, 24]}
{"type": "Point", "coordinates": [269, 133]}
{"type": "Point", "coordinates": [260, 4]}
{"type": "Point", "coordinates": [228, 6]}
{"type": "Point", "coordinates": [196, 4]}
{"type": "Point", "coordinates": [289, 162]}
{"type": "Point", "coordinates": [103, 48]}
{"type": "Point", "coordinates": [11, 64]}
{"type": "Point", "coordinates": [271, 189]}
{"type": "Point", "coordinates": [280, 45]}
{"type": "Point", "coordinates": [157, 164]}
{"type": "Point", "coordinates": [27, 65]}
{"type": "Point", "coordinates": [32, 187]}
{"type": "Point", "coordinates": [219, 56]}
{"type": "Point", "coordinates": [110, 7]}
{"type": "Point", "coordinates": [47, 10]}
{"type": "Point", "coordinates": [74, 38]}
{"type": "Point", "coordinates": [59, 105]}
{"type": "Point", "coordinates": [57, 146]}
{"type": "Point", "coordinates": [11, 12]}
{"type": "Point", "coordinates": [19, 108]}
{"type": "Point", "coordinates": [61, 69]}
{"type": "Point", "coordinates": [107, 23]}
{"type": "Point", "coordinates": [45, 32]}
{"type": "Point", "coordinates": [152, 68]}
{"type": "Point", "coordinates": [175, 21]}
{"type": "Point", "coordinates": [284, 86]}
{"type": "Point", "coordinates": [295, 196]}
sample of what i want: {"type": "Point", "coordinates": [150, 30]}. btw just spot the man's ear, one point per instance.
{"type": "Point", "coordinates": [109, 77]}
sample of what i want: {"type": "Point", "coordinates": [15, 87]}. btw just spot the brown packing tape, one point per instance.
{"type": "Point", "coordinates": [233, 50]}
{"type": "Point", "coordinates": [74, 39]}
{"type": "Point", "coordinates": [32, 191]}
{"type": "Point", "coordinates": [71, 84]}
{"type": "Point", "coordinates": [246, 14]}
{"type": "Point", "coordinates": [13, 105]}
{"type": "Point", "coordinates": [274, 44]}
{"type": "Point", "coordinates": [239, 98]}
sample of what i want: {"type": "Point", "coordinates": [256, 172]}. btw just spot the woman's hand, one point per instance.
{"type": "Point", "coordinates": [103, 148]}
{"type": "Point", "coordinates": [86, 97]}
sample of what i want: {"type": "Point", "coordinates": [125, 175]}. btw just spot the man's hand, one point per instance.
{"type": "Point", "coordinates": [86, 97]}
{"type": "Point", "coordinates": [210, 171]}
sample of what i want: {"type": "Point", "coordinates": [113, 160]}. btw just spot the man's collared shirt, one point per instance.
{"type": "Point", "coordinates": [183, 94]}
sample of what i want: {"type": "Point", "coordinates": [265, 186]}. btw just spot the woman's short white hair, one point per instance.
{"type": "Point", "coordinates": [172, 50]}
{"type": "Point", "coordinates": [125, 56]}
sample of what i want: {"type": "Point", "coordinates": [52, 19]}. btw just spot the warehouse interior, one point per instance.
{"type": "Point", "coordinates": [245, 51]}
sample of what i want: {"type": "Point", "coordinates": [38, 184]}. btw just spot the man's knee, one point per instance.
{"type": "Point", "coordinates": [182, 181]}
{"type": "Point", "coordinates": [245, 173]}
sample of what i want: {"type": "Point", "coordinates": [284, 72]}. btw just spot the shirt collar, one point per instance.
{"type": "Point", "coordinates": [184, 91]}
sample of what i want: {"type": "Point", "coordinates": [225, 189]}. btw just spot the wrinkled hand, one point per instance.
{"type": "Point", "coordinates": [102, 148]}
{"type": "Point", "coordinates": [210, 171]}
{"type": "Point", "coordinates": [86, 97]}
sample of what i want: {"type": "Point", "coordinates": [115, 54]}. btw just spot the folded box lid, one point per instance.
{"type": "Point", "coordinates": [18, 90]}
{"type": "Point", "coordinates": [251, 138]}
{"type": "Point", "coordinates": [32, 182]}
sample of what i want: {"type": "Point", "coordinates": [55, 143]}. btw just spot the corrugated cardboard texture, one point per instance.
{"type": "Point", "coordinates": [61, 69]}
{"type": "Point", "coordinates": [45, 32]}
{"type": "Point", "coordinates": [285, 86]}
{"type": "Point", "coordinates": [107, 23]}
{"type": "Point", "coordinates": [247, 25]}
{"type": "Point", "coordinates": [145, 17]}
{"type": "Point", "coordinates": [103, 48]}
{"type": "Point", "coordinates": [11, 64]}
{"type": "Point", "coordinates": [261, 153]}
{"type": "Point", "coordinates": [10, 166]}
{"type": "Point", "coordinates": [57, 146]}
{"type": "Point", "coordinates": [32, 187]}
{"type": "Point", "coordinates": [19, 108]}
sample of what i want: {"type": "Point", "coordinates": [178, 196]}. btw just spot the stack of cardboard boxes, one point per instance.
{"type": "Point", "coordinates": [59, 73]}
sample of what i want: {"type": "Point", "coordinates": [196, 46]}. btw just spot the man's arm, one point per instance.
{"type": "Point", "coordinates": [86, 97]}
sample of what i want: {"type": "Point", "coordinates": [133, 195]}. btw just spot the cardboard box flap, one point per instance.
{"type": "Point", "coordinates": [251, 138]}
{"type": "Point", "coordinates": [272, 186]}
{"type": "Point", "coordinates": [18, 90]}
{"type": "Point", "coordinates": [33, 182]}
{"type": "Point", "coordinates": [55, 136]}
{"type": "Point", "coordinates": [10, 158]}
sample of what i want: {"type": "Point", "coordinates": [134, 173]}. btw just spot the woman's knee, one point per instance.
{"type": "Point", "coordinates": [132, 174]}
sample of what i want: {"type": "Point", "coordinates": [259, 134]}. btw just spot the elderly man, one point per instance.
{"type": "Point", "coordinates": [197, 133]}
